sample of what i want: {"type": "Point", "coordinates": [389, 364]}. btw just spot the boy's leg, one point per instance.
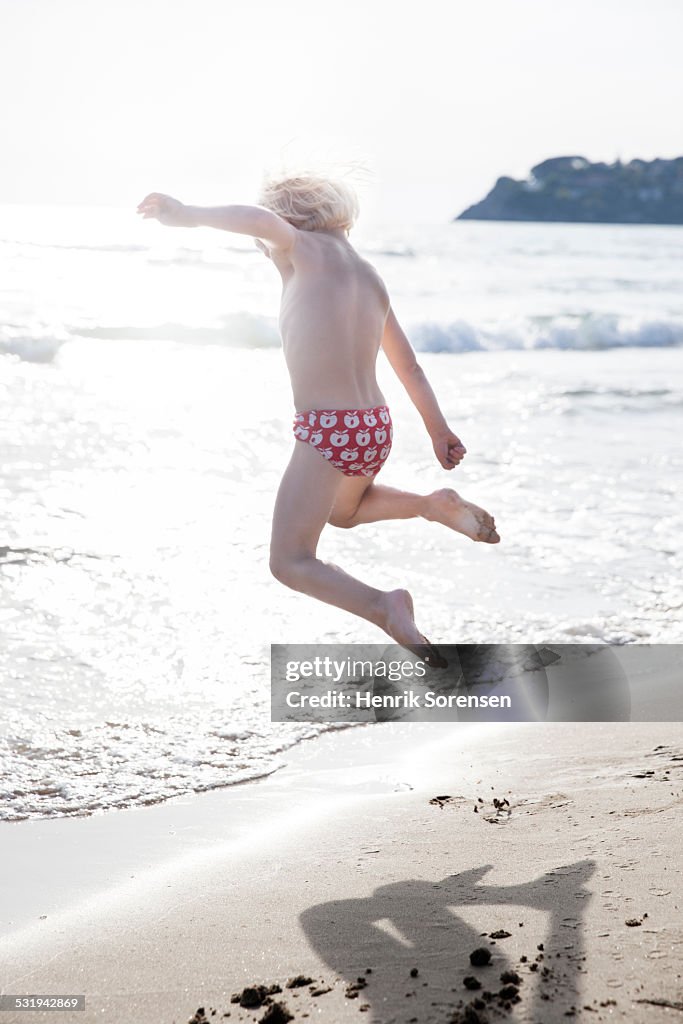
{"type": "Point", "coordinates": [357, 502]}
{"type": "Point", "coordinates": [302, 508]}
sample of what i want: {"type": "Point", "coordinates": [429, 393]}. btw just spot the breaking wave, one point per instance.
{"type": "Point", "coordinates": [254, 331]}
{"type": "Point", "coordinates": [581, 334]}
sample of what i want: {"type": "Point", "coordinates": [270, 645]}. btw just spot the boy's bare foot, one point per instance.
{"type": "Point", "coordinates": [399, 623]}
{"type": "Point", "coordinates": [449, 508]}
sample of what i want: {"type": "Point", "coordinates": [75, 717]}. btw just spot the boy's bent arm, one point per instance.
{"type": "Point", "coordinates": [401, 355]}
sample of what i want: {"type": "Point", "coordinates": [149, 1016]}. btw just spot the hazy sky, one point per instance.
{"type": "Point", "coordinates": [103, 102]}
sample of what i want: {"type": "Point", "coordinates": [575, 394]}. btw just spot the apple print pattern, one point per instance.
{"type": "Point", "coordinates": [355, 441]}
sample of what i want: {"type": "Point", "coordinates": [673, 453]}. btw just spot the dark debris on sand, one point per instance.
{"type": "Point", "coordinates": [355, 987]}
{"type": "Point", "coordinates": [478, 1005]}
{"type": "Point", "coordinates": [670, 1004]}
{"type": "Point", "coordinates": [277, 1013]}
{"type": "Point", "coordinates": [471, 1013]}
{"type": "Point", "coordinates": [501, 813]}
{"type": "Point", "coordinates": [299, 981]}
{"type": "Point", "coordinates": [475, 1011]}
{"type": "Point", "coordinates": [488, 1006]}
{"type": "Point", "coordinates": [199, 1016]}
{"type": "Point", "coordinates": [439, 801]}
{"type": "Point", "coordinates": [259, 996]}
{"type": "Point", "coordinates": [254, 996]}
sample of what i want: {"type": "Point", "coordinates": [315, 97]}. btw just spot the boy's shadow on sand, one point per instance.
{"type": "Point", "coordinates": [415, 924]}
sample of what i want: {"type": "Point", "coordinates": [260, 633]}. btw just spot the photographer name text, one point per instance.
{"type": "Point", "coordinates": [407, 699]}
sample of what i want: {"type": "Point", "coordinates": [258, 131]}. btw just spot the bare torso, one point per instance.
{"type": "Point", "coordinates": [332, 313]}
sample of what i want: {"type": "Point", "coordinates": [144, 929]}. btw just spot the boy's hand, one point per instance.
{"type": "Point", "coordinates": [166, 210]}
{"type": "Point", "coordinates": [448, 449]}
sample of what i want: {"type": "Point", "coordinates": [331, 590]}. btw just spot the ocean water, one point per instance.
{"type": "Point", "coordinates": [145, 422]}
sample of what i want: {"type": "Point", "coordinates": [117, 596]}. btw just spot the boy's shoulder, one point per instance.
{"type": "Point", "coordinates": [309, 249]}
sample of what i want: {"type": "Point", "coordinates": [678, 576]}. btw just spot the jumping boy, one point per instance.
{"type": "Point", "coordinates": [335, 314]}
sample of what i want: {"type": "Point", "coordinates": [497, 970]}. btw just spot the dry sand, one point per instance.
{"type": "Point", "coordinates": [343, 870]}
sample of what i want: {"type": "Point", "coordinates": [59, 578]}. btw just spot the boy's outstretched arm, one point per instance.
{"type": "Point", "coordinates": [246, 220]}
{"type": "Point", "coordinates": [448, 448]}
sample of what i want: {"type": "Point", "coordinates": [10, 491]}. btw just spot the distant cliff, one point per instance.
{"type": "Point", "coordinates": [570, 188]}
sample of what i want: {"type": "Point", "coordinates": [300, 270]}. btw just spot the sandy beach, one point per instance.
{"type": "Point", "coordinates": [345, 874]}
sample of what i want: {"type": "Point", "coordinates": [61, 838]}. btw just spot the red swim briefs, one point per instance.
{"type": "Point", "coordinates": [355, 441]}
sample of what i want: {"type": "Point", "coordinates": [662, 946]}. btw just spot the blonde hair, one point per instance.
{"type": "Point", "coordinates": [310, 201]}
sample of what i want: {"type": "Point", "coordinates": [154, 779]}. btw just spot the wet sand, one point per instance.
{"type": "Point", "coordinates": [390, 873]}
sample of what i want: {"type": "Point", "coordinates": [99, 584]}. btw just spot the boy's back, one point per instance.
{"type": "Point", "coordinates": [333, 310]}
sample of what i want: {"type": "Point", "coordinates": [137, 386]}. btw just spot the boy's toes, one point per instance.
{"type": "Point", "coordinates": [487, 528]}
{"type": "Point", "coordinates": [493, 536]}
{"type": "Point", "coordinates": [433, 656]}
